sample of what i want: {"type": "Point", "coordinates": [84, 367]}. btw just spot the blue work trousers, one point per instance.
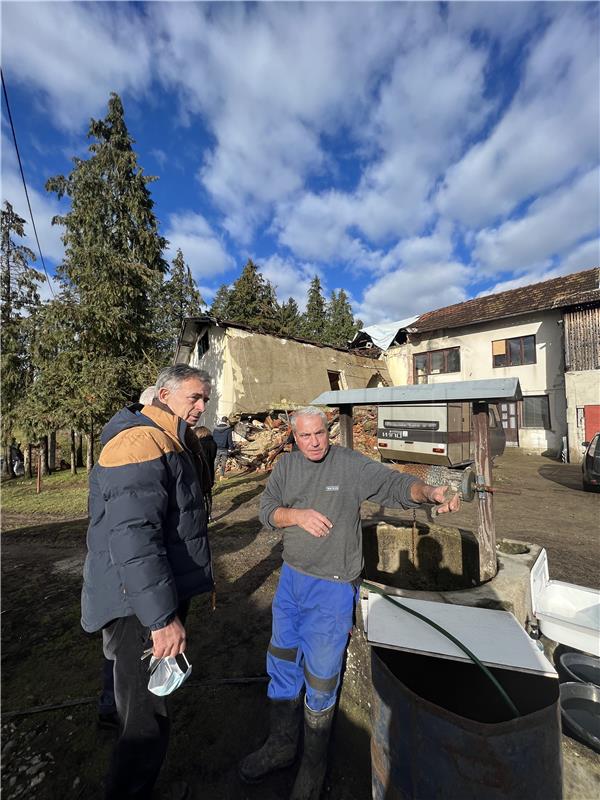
{"type": "Point", "coordinates": [312, 620]}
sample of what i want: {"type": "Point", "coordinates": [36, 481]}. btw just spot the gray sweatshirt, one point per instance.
{"type": "Point", "coordinates": [335, 486]}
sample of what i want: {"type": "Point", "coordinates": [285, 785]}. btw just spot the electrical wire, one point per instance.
{"type": "Point", "coordinates": [12, 127]}
{"type": "Point", "coordinates": [500, 689]}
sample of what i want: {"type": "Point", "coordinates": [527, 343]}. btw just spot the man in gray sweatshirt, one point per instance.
{"type": "Point", "coordinates": [315, 495]}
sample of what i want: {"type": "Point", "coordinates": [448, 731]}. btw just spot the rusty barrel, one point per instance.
{"type": "Point", "coordinates": [441, 730]}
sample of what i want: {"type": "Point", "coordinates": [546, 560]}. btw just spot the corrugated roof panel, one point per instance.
{"type": "Point", "coordinates": [494, 389]}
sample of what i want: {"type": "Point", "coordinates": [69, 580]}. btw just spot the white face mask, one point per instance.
{"type": "Point", "coordinates": [166, 675]}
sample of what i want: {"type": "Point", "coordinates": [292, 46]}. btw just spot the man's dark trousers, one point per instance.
{"type": "Point", "coordinates": [142, 745]}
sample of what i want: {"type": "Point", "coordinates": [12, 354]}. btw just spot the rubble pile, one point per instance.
{"type": "Point", "coordinates": [260, 440]}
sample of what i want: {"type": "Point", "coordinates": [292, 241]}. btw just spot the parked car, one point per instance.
{"type": "Point", "coordinates": [590, 466]}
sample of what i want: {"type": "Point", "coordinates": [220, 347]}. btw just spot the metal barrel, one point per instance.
{"type": "Point", "coordinates": [461, 481]}
{"type": "Point", "coordinates": [441, 731]}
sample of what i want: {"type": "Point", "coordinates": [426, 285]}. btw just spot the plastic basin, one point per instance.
{"type": "Point", "coordinates": [581, 667]}
{"type": "Point", "coordinates": [580, 709]}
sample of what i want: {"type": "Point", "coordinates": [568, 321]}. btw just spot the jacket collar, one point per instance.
{"type": "Point", "coordinates": [170, 423]}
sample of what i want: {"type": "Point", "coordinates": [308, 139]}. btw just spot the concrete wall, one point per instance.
{"type": "Point", "coordinates": [546, 376]}
{"type": "Point", "coordinates": [582, 389]}
{"type": "Point", "coordinates": [255, 372]}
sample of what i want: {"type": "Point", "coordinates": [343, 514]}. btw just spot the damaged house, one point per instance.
{"type": "Point", "coordinates": [256, 373]}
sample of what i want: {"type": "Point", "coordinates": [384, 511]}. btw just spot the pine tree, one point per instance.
{"type": "Point", "coordinates": [288, 318]}
{"type": "Point", "coordinates": [178, 298]}
{"type": "Point", "coordinates": [314, 320]}
{"type": "Point", "coordinates": [252, 301]}
{"type": "Point", "coordinates": [112, 267]}
{"type": "Point", "coordinates": [220, 303]}
{"type": "Point", "coordinates": [20, 301]}
{"type": "Point", "coordinates": [341, 327]}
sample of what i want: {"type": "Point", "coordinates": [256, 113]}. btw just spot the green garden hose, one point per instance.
{"type": "Point", "coordinates": [513, 709]}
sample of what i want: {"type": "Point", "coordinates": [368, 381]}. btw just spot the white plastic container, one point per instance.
{"type": "Point", "coordinates": [566, 613]}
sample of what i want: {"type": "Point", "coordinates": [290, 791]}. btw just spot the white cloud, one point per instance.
{"type": "Point", "coordinates": [75, 54]}
{"type": "Point", "coordinates": [44, 207]}
{"type": "Point", "coordinates": [202, 249]}
{"type": "Point", "coordinates": [291, 279]}
{"type": "Point", "coordinates": [421, 250]}
{"type": "Point", "coordinates": [550, 130]}
{"type": "Point", "coordinates": [586, 256]}
{"type": "Point", "coordinates": [414, 290]}
{"type": "Point", "coordinates": [553, 224]}
{"type": "Point", "coordinates": [432, 99]}
{"type": "Point", "coordinates": [271, 80]}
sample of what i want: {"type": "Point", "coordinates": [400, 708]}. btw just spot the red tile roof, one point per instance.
{"type": "Point", "coordinates": [568, 290]}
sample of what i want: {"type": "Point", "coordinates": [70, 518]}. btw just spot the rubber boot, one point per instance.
{"type": "Point", "coordinates": [279, 750]}
{"type": "Point", "coordinates": [310, 777]}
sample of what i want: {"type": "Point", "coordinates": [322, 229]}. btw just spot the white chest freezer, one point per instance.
{"type": "Point", "coordinates": [566, 613]}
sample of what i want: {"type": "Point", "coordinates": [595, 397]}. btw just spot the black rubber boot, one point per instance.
{"type": "Point", "coordinates": [279, 751]}
{"type": "Point", "coordinates": [310, 777]}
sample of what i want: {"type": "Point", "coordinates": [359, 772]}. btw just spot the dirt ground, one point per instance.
{"type": "Point", "coordinates": [221, 713]}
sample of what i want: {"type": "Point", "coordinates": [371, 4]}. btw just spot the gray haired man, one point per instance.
{"type": "Point", "coordinates": [315, 495]}
{"type": "Point", "coordinates": [148, 555]}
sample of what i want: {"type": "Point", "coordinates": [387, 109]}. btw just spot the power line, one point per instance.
{"type": "Point", "coordinates": [12, 127]}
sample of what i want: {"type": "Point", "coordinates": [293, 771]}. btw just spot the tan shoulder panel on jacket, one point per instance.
{"type": "Point", "coordinates": [136, 446]}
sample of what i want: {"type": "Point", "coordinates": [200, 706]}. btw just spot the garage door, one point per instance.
{"type": "Point", "coordinates": [591, 415]}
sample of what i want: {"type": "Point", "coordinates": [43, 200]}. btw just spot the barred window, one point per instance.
{"type": "Point", "coordinates": [536, 412]}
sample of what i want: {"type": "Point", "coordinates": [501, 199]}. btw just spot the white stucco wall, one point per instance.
{"type": "Point", "coordinates": [546, 376]}
{"type": "Point", "coordinates": [255, 372]}
{"type": "Point", "coordinates": [582, 389]}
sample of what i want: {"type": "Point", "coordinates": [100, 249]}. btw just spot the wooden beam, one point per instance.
{"type": "Point", "coordinates": [486, 531]}
{"type": "Point", "coordinates": [346, 426]}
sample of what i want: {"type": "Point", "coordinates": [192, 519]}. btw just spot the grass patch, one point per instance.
{"type": "Point", "coordinates": [62, 493]}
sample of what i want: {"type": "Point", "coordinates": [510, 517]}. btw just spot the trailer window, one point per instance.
{"type": "Point", "coordinates": [411, 424]}
{"type": "Point", "coordinates": [436, 362]}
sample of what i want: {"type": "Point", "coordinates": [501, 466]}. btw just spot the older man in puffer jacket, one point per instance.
{"type": "Point", "coordinates": [148, 555]}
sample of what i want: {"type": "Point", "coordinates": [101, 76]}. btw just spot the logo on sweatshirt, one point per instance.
{"type": "Point", "coordinates": [332, 488]}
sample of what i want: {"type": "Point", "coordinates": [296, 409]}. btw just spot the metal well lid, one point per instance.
{"type": "Point", "coordinates": [495, 637]}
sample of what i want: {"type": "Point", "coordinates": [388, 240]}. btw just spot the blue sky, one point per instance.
{"type": "Point", "coordinates": [414, 154]}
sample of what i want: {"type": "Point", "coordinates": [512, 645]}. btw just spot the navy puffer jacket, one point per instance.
{"type": "Point", "coordinates": [147, 539]}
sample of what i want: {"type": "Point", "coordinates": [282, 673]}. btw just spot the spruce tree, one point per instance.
{"type": "Point", "coordinates": [288, 318]}
{"type": "Point", "coordinates": [341, 327]}
{"type": "Point", "coordinates": [179, 298]}
{"type": "Point", "coordinates": [112, 267]}
{"type": "Point", "coordinates": [314, 320]}
{"type": "Point", "coordinates": [252, 301]}
{"type": "Point", "coordinates": [20, 302]}
{"type": "Point", "coordinates": [220, 304]}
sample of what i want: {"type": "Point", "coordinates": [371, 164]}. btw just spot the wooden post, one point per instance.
{"type": "Point", "coordinates": [486, 531]}
{"type": "Point", "coordinates": [346, 426]}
